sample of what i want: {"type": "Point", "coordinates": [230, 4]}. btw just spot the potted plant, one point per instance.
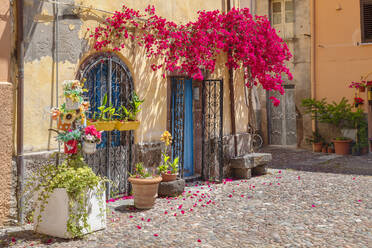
{"type": "Point", "coordinates": [342, 145]}
{"type": "Point", "coordinates": [331, 148]}
{"type": "Point", "coordinates": [128, 116]}
{"type": "Point", "coordinates": [356, 150]}
{"type": "Point", "coordinates": [70, 139]}
{"type": "Point", "coordinates": [358, 101]}
{"type": "Point", "coordinates": [316, 140]}
{"type": "Point", "coordinates": [145, 187]}
{"type": "Point", "coordinates": [361, 86]}
{"type": "Point", "coordinates": [168, 169]}
{"type": "Point", "coordinates": [91, 137]}
{"type": "Point", "coordinates": [73, 91]}
{"type": "Point", "coordinates": [103, 120]}
{"type": "Point", "coordinates": [325, 148]}
{"type": "Point", "coordinates": [68, 200]}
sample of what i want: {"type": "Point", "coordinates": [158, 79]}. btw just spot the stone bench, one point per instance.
{"type": "Point", "coordinates": [244, 166]}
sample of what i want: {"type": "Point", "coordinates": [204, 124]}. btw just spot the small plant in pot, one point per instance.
{"type": "Point", "coordinates": [167, 168]}
{"type": "Point", "coordinates": [331, 148]}
{"type": "Point", "coordinates": [91, 137]}
{"type": "Point", "coordinates": [73, 91]}
{"type": "Point", "coordinates": [325, 148]}
{"type": "Point", "coordinates": [128, 115]}
{"type": "Point", "coordinates": [317, 141]}
{"type": "Point", "coordinates": [145, 187]}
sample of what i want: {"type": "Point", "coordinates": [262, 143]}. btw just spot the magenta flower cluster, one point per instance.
{"type": "Point", "coordinates": [248, 41]}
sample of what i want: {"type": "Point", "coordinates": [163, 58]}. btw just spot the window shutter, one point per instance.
{"type": "Point", "coordinates": [366, 20]}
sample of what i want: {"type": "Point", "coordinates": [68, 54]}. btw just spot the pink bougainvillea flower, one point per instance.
{"type": "Point", "coordinates": [199, 240]}
{"type": "Point", "coordinates": [130, 216]}
{"type": "Point", "coordinates": [313, 205]}
{"type": "Point", "coordinates": [182, 212]}
{"type": "Point", "coordinates": [49, 241]}
{"type": "Point", "coordinates": [299, 178]}
{"type": "Point", "coordinates": [191, 209]}
{"type": "Point", "coordinates": [139, 227]}
{"type": "Point", "coordinates": [148, 220]}
{"type": "Point", "coordinates": [242, 195]}
{"type": "Point", "coordinates": [200, 200]}
{"type": "Point", "coordinates": [359, 200]}
{"type": "Point", "coordinates": [230, 196]}
{"type": "Point", "coordinates": [180, 206]}
{"type": "Point", "coordinates": [353, 178]}
{"type": "Point", "coordinates": [278, 183]}
{"type": "Point", "coordinates": [142, 219]}
{"type": "Point", "coordinates": [165, 212]}
{"type": "Point", "coordinates": [279, 171]}
{"type": "Point", "coordinates": [156, 235]}
{"type": "Point", "coordinates": [13, 240]}
{"type": "Point", "coordinates": [175, 214]}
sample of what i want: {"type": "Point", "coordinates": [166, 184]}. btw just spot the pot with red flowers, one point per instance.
{"type": "Point", "coordinates": [91, 137]}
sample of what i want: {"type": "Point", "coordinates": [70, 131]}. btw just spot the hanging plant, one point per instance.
{"type": "Point", "coordinates": [250, 42]}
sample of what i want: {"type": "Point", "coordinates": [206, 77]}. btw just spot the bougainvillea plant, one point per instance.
{"type": "Point", "coordinates": [249, 42]}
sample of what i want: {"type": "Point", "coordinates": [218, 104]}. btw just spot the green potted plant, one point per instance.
{"type": "Point", "coordinates": [73, 91]}
{"type": "Point", "coordinates": [145, 187]}
{"type": "Point", "coordinates": [103, 119]}
{"type": "Point", "coordinates": [168, 168]}
{"type": "Point", "coordinates": [128, 116]}
{"type": "Point", "coordinates": [316, 140]}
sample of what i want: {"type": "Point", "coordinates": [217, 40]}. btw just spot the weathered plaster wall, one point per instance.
{"type": "Point", "coordinates": [74, 45]}
{"type": "Point", "coordinates": [6, 112]}
{"type": "Point", "coordinates": [300, 65]}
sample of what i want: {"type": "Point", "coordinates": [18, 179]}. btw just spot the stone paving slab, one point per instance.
{"type": "Point", "coordinates": [285, 208]}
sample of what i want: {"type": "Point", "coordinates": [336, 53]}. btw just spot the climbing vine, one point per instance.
{"type": "Point", "coordinates": [249, 42]}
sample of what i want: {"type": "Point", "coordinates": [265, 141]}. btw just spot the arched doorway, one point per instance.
{"type": "Point", "coordinates": [106, 73]}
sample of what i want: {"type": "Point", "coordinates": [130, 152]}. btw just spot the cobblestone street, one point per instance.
{"type": "Point", "coordinates": [299, 203]}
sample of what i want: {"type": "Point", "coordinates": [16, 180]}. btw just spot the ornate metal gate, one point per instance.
{"type": "Point", "coordinates": [105, 73]}
{"type": "Point", "coordinates": [212, 147]}
{"type": "Point", "coordinates": [178, 119]}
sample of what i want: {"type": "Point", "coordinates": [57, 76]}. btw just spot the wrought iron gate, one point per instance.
{"type": "Point", "coordinates": [105, 73]}
{"type": "Point", "coordinates": [178, 119]}
{"type": "Point", "coordinates": [212, 147]}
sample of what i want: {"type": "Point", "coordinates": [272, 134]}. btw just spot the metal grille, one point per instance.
{"type": "Point", "coordinates": [107, 74]}
{"type": "Point", "coordinates": [212, 148]}
{"type": "Point", "coordinates": [178, 120]}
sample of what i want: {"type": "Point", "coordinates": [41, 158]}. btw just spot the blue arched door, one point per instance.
{"type": "Point", "coordinates": [105, 74]}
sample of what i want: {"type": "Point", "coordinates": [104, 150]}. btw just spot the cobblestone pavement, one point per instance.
{"type": "Point", "coordinates": [286, 208]}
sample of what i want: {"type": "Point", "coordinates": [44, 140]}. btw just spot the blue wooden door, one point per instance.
{"type": "Point", "coordinates": [182, 125]}
{"type": "Point", "coordinates": [189, 132]}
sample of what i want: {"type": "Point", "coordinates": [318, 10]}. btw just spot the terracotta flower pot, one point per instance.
{"type": "Point", "coordinates": [145, 191]}
{"type": "Point", "coordinates": [342, 147]}
{"type": "Point", "coordinates": [324, 149]}
{"type": "Point", "coordinates": [168, 177]}
{"type": "Point", "coordinates": [317, 147]}
{"type": "Point", "coordinates": [330, 150]}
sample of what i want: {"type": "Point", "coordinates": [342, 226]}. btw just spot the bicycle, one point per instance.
{"type": "Point", "coordinates": [257, 140]}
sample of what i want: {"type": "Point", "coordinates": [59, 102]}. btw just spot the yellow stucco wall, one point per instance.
{"type": "Point", "coordinates": [40, 76]}
{"type": "Point", "coordinates": [340, 58]}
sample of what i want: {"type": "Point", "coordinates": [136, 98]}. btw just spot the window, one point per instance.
{"type": "Point", "coordinates": [282, 17]}
{"type": "Point", "coordinates": [366, 20]}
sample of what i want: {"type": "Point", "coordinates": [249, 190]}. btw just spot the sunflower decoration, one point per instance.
{"type": "Point", "coordinates": [166, 137]}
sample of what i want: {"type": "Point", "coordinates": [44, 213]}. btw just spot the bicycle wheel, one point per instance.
{"type": "Point", "coordinates": [257, 141]}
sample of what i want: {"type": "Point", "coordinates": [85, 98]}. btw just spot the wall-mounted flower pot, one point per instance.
{"type": "Point", "coordinates": [103, 125]}
{"type": "Point", "coordinates": [145, 191]}
{"type": "Point", "coordinates": [317, 147]}
{"type": "Point", "coordinates": [55, 216]}
{"type": "Point", "coordinates": [342, 147]}
{"type": "Point", "coordinates": [70, 147]}
{"type": "Point", "coordinates": [72, 105]}
{"type": "Point", "coordinates": [89, 148]}
{"type": "Point", "coordinates": [127, 125]}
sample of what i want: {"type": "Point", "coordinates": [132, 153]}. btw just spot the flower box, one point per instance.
{"type": "Point", "coordinates": [55, 216]}
{"type": "Point", "coordinates": [127, 125]}
{"type": "Point", "coordinates": [103, 125]}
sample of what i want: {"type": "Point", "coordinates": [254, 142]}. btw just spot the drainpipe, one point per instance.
{"type": "Point", "coordinates": [313, 56]}
{"type": "Point", "coordinates": [232, 97]}
{"type": "Point", "coordinates": [20, 96]}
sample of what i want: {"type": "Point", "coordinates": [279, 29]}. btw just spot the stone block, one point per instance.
{"type": "Point", "coordinates": [173, 188]}
{"type": "Point", "coordinates": [251, 160]}
{"type": "Point", "coordinates": [240, 173]}
{"type": "Point", "coordinates": [259, 170]}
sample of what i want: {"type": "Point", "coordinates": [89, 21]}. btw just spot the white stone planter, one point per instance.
{"type": "Point", "coordinates": [71, 105]}
{"type": "Point", "coordinates": [89, 148]}
{"type": "Point", "coordinates": [56, 213]}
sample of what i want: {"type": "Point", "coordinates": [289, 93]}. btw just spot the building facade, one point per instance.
{"type": "Point", "coordinates": [57, 47]}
